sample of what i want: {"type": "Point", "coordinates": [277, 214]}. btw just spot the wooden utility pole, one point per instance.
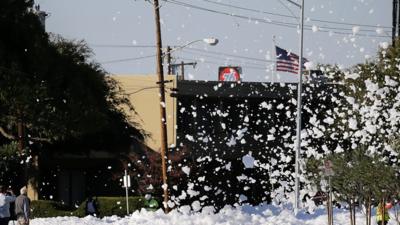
{"type": "Point", "coordinates": [182, 70]}
{"type": "Point", "coordinates": [169, 60]}
{"type": "Point", "coordinates": [398, 19]}
{"type": "Point", "coordinates": [182, 65]}
{"type": "Point", "coordinates": [163, 118]}
{"type": "Point", "coordinates": [394, 15]}
{"type": "Point", "coordinates": [395, 20]}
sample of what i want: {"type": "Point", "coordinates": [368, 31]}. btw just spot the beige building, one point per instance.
{"type": "Point", "coordinates": [144, 95]}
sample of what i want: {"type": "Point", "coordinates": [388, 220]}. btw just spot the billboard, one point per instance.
{"type": "Point", "coordinates": [229, 73]}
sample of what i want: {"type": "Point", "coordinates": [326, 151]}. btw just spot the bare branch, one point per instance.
{"type": "Point", "coordinates": [7, 135]}
{"type": "Point", "coordinates": [12, 137]}
{"type": "Point", "coordinates": [48, 140]}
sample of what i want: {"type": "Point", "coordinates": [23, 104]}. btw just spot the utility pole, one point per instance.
{"type": "Point", "coordinates": [169, 60]}
{"type": "Point", "coordinates": [398, 19]}
{"type": "Point", "coordinates": [163, 118]}
{"type": "Point", "coordinates": [182, 71]}
{"type": "Point", "coordinates": [394, 21]}
{"type": "Point", "coordinates": [182, 65]}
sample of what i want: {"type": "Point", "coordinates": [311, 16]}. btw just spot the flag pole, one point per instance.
{"type": "Point", "coordinates": [299, 106]}
{"type": "Point", "coordinates": [274, 64]}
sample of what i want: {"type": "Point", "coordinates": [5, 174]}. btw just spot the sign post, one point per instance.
{"type": "Point", "coordinates": [127, 184]}
{"type": "Point", "coordinates": [328, 171]}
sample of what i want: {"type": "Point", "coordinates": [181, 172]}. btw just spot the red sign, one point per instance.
{"type": "Point", "coordinates": [229, 74]}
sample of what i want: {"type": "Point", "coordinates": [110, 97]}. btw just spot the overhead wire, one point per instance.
{"type": "Point", "coordinates": [186, 49]}
{"type": "Point", "coordinates": [288, 9]}
{"type": "Point", "coordinates": [324, 29]}
{"type": "Point", "coordinates": [290, 25]}
{"type": "Point", "coordinates": [121, 46]}
{"type": "Point", "coordinates": [216, 63]}
{"type": "Point", "coordinates": [127, 59]}
{"type": "Point", "coordinates": [233, 59]}
{"type": "Point", "coordinates": [279, 23]}
{"type": "Point", "coordinates": [293, 16]}
{"type": "Point", "coordinates": [230, 55]}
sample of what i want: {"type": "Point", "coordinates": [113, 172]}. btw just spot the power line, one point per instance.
{"type": "Point", "coordinates": [121, 46]}
{"type": "Point", "coordinates": [288, 16]}
{"type": "Point", "coordinates": [288, 9]}
{"type": "Point", "coordinates": [291, 25]}
{"type": "Point", "coordinates": [220, 58]}
{"type": "Point", "coordinates": [186, 49]}
{"type": "Point", "coordinates": [146, 88]}
{"type": "Point", "coordinates": [127, 59]}
{"type": "Point", "coordinates": [277, 23]}
{"type": "Point", "coordinates": [220, 64]}
{"type": "Point", "coordinates": [231, 55]}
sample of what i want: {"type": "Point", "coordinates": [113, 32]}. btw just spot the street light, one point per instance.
{"type": "Point", "coordinates": [299, 106]}
{"type": "Point", "coordinates": [210, 41]}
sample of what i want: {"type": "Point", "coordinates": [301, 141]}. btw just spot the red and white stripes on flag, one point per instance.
{"type": "Point", "coordinates": [287, 61]}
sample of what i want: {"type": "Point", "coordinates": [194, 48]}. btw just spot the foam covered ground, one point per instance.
{"type": "Point", "coordinates": [267, 215]}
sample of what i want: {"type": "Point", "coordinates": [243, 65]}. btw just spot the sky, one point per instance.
{"type": "Point", "coordinates": [122, 33]}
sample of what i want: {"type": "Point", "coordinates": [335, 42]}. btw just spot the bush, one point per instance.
{"type": "Point", "coordinates": [107, 206]}
{"type": "Point", "coordinates": [45, 208]}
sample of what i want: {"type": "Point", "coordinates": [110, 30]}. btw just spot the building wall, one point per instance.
{"type": "Point", "coordinates": [144, 96]}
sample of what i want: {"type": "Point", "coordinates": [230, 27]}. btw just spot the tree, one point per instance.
{"type": "Point", "coordinates": [50, 91]}
{"type": "Point", "coordinates": [358, 178]}
{"type": "Point", "coordinates": [364, 128]}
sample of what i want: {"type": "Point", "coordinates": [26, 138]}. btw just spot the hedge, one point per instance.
{"type": "Point", "coordinates": [107, 206]}
{"type": "Point", "coordinates": [45, 208]}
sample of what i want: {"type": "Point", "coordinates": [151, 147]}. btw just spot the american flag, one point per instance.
{"type": "Point", "coordinates": [287, 61]}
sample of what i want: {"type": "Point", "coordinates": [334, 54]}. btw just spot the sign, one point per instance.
{"type": "Point", "coordinates": [127, 184]}
{"type": "Point", "coordinates": [328, 170]}
{"type": "Point", "coordinates": [229, 73]}
{"type": "Point", "coordinates": [127, 181]}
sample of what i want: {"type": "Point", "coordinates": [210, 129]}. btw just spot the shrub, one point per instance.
{"type": "Point", "coordinates": [45, 208]}
{"type": "Point", "coordinates": [107, 206]}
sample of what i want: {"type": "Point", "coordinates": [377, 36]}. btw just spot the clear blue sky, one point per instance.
{"type": "Point", "coordinates": [131, 22]}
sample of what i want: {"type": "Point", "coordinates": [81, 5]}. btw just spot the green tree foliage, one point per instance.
{"type": "Point", "coordinates": [358, 178]}
{"type": "Point", "coordinates": [51, 86]}
{"type": "Point", "coordinates": [366, 125]}
{"type": "Point", "coordinates": [9, 162]}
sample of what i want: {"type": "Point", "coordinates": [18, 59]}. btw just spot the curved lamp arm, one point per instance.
{"type": "Point", "coordinates": [210, 41]}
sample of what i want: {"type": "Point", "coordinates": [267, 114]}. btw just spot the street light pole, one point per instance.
{"type": "Point", "coordinates": [299, 106]}
{"type": "Point", "coordinates": [163, 118]}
